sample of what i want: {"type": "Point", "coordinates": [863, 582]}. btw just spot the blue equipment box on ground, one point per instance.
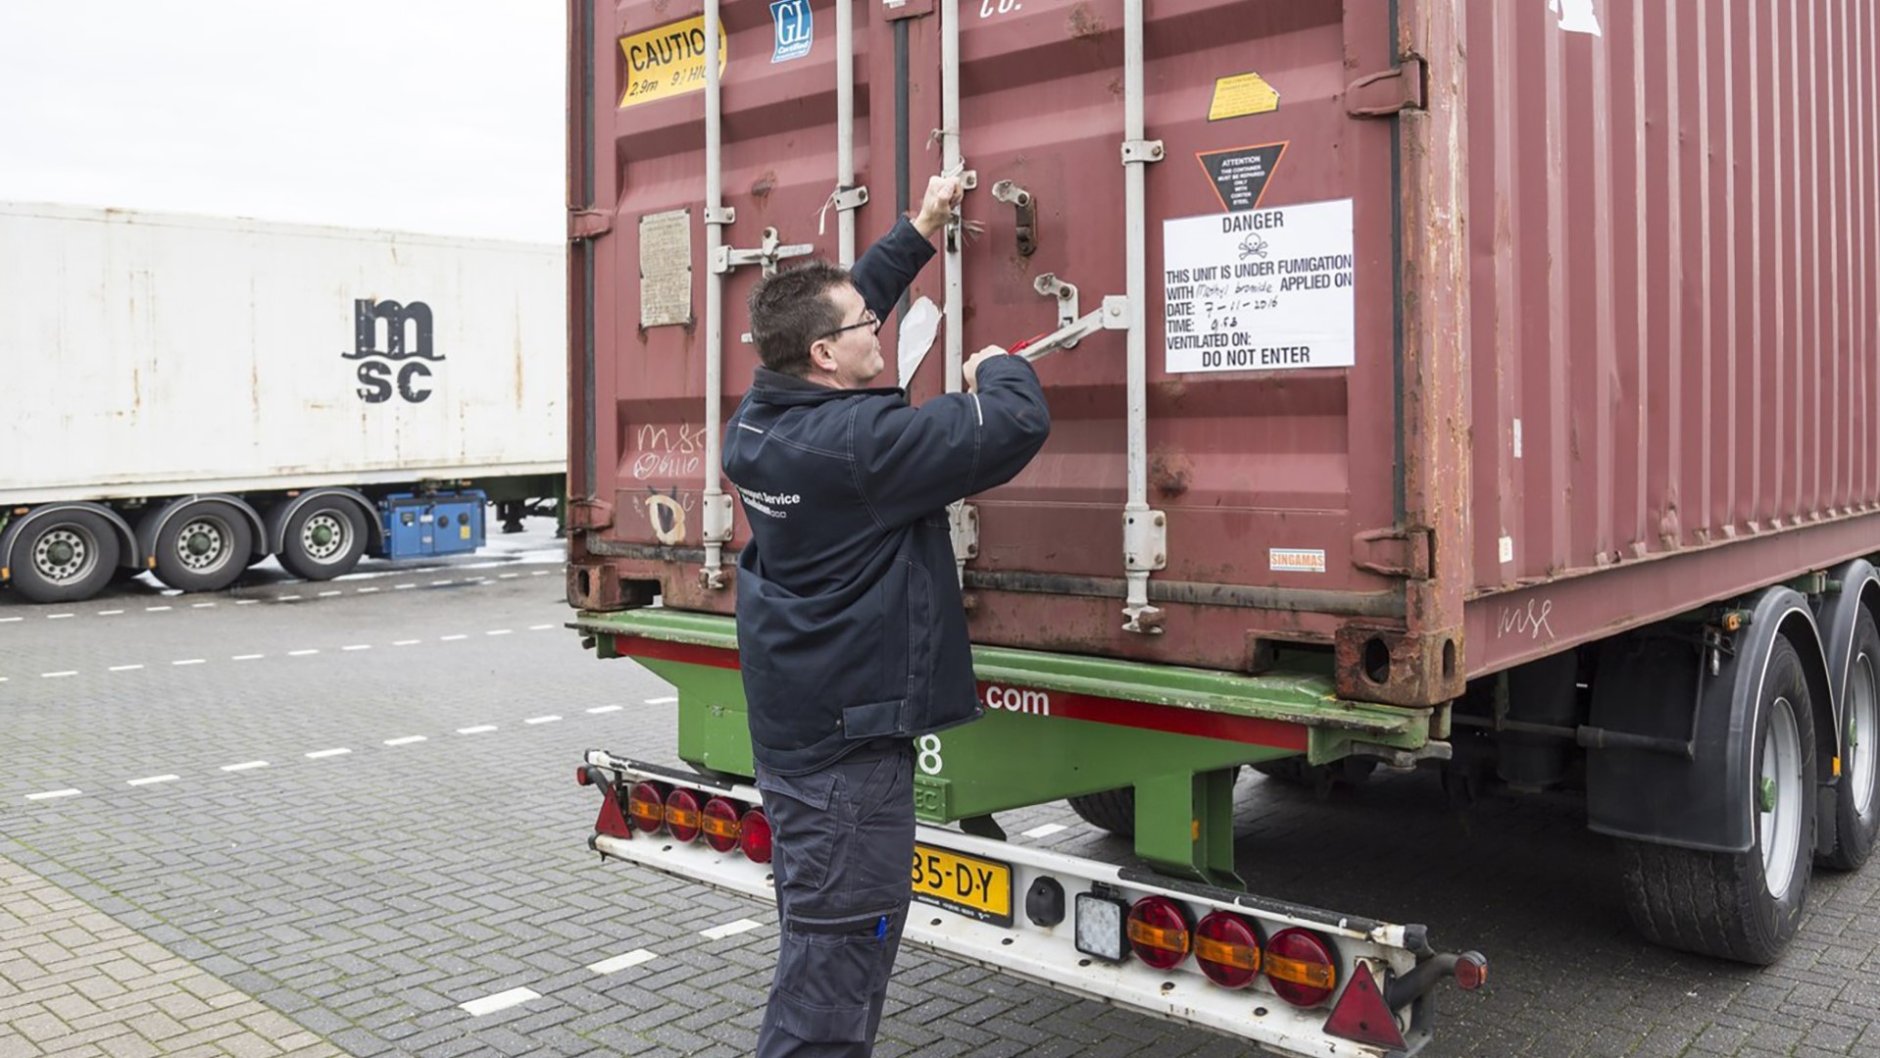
{"type": "Point", "coordinates": [445, 523]}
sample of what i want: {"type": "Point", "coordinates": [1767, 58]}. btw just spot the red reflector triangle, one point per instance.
{"type": "Point", "coordinates": [611, 822]}
{"type": "Point", "coordinates": [1361, 1014]}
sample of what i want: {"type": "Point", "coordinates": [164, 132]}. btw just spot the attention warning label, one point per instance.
{"type": "Point", "coordinates": [1240, 174]}
{"type": "Point", "coordinates": [1260, 290]}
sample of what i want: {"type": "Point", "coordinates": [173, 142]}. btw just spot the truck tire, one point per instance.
{"type": "Point", "coordinates": [1857, 816]}
{"type": "Point", "coordinates": [1743, 906]}
{"type": "Point", "coordinates": [324, 539]}
{"type": "Point", "coordinates": [203, 546]}
{"type": "Point", "coordinates": [1321, 779]}
{"type": "Point", "coordinates": [1111, 810]}
{"type": "Point", "coordinates": [64, 557]}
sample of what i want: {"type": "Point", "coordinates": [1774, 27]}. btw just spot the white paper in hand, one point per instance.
{"type": "Point", "coordinates": [919, 327]}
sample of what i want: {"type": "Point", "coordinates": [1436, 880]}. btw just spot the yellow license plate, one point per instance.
{"type": "Point", "coordinates": [967, 885]}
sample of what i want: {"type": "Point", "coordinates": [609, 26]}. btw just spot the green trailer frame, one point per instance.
{"type": "Point", "coordinates": [1055, 726]}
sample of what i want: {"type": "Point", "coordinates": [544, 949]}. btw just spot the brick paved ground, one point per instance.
{"type": "Point", "coordinates": [76, 982]}
{"type": "Point", "coordinates": [366, 895]}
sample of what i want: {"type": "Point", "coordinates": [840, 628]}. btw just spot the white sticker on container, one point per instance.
{"type": "Point", "coordinates": [1517, 438]}
{"type": "Point", "coordinates": [1295, 560]}
{"type": "Point", "coordinates": [1507, 550]}
{"type": "Point", "coordinates": [1260, 290]}
{"type": "Point", "coordinates": [666, 269]}
{"type": "Point", "coordinates": [1576, 16]}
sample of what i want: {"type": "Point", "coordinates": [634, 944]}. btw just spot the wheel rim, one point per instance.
{"type": "Point", "coordinates": [1779, 821]}
{"type": "Point", "coordinates": [325, 536]}
{"type": "Point", "coordinates": [202, 546]}
{"type": "Point", "coordinates": [1859, 760]}
{"type": "Point", "coordinates": [65, 554]}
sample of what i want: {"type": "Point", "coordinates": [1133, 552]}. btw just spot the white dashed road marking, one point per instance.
{"type": "Point", "coordinates": [499, 1001]}
{"type": "Point", "coordinates": [108, 613]}
{"type": "Point", "coordinates": [202, 606]}
{"type": "Point", "coordinates": [452, 639]}
{"type": "Point", "coordinates": [497, 632]}
{"type": "Point", "coordinates": [605, 709]}
{"type": "Point", "coordinates": [152, 780]}
{"type": "Point", "coordinates": [623, 962]}
{"type": "Point", "coordinates": [59, 616]}
{"type": "Point", "coordinates": [10, 620]}
{"type": "Point", "coordinates": [330, 594]}
{"type": "Point", "coordinates": [56, 675]}
{"type": "Point", "coordinates": [248, 657]}
{"type": "Point", "coordinates": [729, 929]}
{"type": "Point", "coordinates": [319, 754]}
{"type": "Point", "coordinates": [358, 646]}
{"type": "Point", "coordinates": [249, 765]}
{"type": "Point", "coordinates": [407, 642]}
{"type": "Point", "coordinates": [405, 741]}
{"type": "Point", "coordinates": [50, 794]}
{"type": "Point", "coordinates": [301, 653]}
{"type": "Point", "coordinates": [661, 701]}
{"type": "Point", "coordinates": [480, 729]}
{"type": "Point", "coordinates": [1044, 831]}
{"type": "Point", "coordinates": [125, 668]}
{"type": "Point", "coordinates": [540, 628]}
{"type": "Point", "coordinates": [541, 719]}
{"type": "Point", "coordinates": [157, 609]}
{"type": "Point", "coordinates": [189, 661]}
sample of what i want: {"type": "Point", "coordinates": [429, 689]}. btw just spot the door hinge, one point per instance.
{"type": "Point", "coordinates": [590, 514]}
{"type": "Point", "coordinates": [589, 223]}
{"type": "Point", "coordinates": [1409, 553]}
{"type": "Point", "coordinates": [1379, 95]}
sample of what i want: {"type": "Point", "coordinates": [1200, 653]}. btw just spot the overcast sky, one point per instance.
{"type": "Point", "coordinates": [424, 115]}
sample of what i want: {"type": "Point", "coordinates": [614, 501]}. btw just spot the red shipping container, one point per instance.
{"type": "Point", "coordinates": [1474, 331]}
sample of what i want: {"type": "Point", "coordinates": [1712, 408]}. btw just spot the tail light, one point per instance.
{"type": "Point", "coordinates": [646, 806]}
{"type": "Point", "coordinates": [754, 836]}
{"type": "Point", "coordinates": [682, 816]}
{"type": "Point", "coordinates": [1228, 949]}
{"type": "Point", "coordinates": [1158, 932]}
{"type": "Point", "coordinates": [1301, 967]}
{"type": "Point", "coordinates": [1471, 971]}
{"type": "Point", "coordinates": [720, 824]}
{"type": "Point", "coordinates": [581, 777]}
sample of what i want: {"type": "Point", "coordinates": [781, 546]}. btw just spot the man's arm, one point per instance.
{"type": "Point", "coordinates": [883, 272]}
{"type": "Point", "coordinates": [915, 461]}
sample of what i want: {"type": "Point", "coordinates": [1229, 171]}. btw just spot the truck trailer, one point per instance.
{"type": "Point", "coordinates": [1486, 387]}
{"type": "Point", "coordinates": [193, 395]}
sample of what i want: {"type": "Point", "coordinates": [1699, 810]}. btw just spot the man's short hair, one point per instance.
{"type": "Point", "coordinates": [791, 309]}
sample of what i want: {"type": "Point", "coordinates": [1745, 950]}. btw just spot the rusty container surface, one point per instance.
{"type": "Point", "coordinates": [1451, 363]}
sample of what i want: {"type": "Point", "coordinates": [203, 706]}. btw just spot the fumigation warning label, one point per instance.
{"type": "Point", "coordinates": [1260, 290]}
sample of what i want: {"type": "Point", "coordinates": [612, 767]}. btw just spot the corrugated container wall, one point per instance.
{"type": "Point", "coordinates": [1474, 330]}
{"type": "Point", "coordinates": [150, 354]}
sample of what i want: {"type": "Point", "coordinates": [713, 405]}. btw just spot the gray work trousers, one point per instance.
{"type": "Point", "coordinates": [842, 841]}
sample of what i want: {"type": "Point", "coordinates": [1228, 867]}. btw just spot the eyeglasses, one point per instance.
{"type": "Point", "coordinates": [868, 319]}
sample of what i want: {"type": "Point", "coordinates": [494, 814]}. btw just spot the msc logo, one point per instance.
{"type": "Point", "coordinates": [383, 369]}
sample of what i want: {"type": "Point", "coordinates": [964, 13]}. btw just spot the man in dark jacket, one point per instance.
{"type": "Point", "coordinates": [851, 635]}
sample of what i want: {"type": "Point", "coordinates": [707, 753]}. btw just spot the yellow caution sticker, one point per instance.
{"type": "Point", "coordinates": [1241, 95]}
{"type": "Point", "coordinates": [667, 61]}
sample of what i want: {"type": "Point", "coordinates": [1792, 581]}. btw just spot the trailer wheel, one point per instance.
{"type": "Point", "coordinates": [203, 547]}
{"type": "Point", "coordinates": [1111, 810]}
{"type": "Point", "coordinates": [1321, 779]}
{"type": "Point", "coordinates": [1857, 817]}
{"type": "Point", "coordinates": [1743, 906]}
{"type": "Point", "coordinates": [64, 557]}
{"type": "Point", "coordinates": [324, 539]}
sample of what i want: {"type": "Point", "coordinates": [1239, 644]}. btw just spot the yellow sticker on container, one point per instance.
{"type": "Point", "coordinates": [1241, 95]}
{"type": "Point", "coordinates": [463, 533]}
{"type": "Point", "coordinates": [667, 61]}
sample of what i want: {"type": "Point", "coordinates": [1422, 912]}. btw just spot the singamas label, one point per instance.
{"type": "Point", "coordinates": [1260, 290]}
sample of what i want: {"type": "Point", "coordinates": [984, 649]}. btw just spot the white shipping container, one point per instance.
{"type": "Point", "coordinates": [153, 355]}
